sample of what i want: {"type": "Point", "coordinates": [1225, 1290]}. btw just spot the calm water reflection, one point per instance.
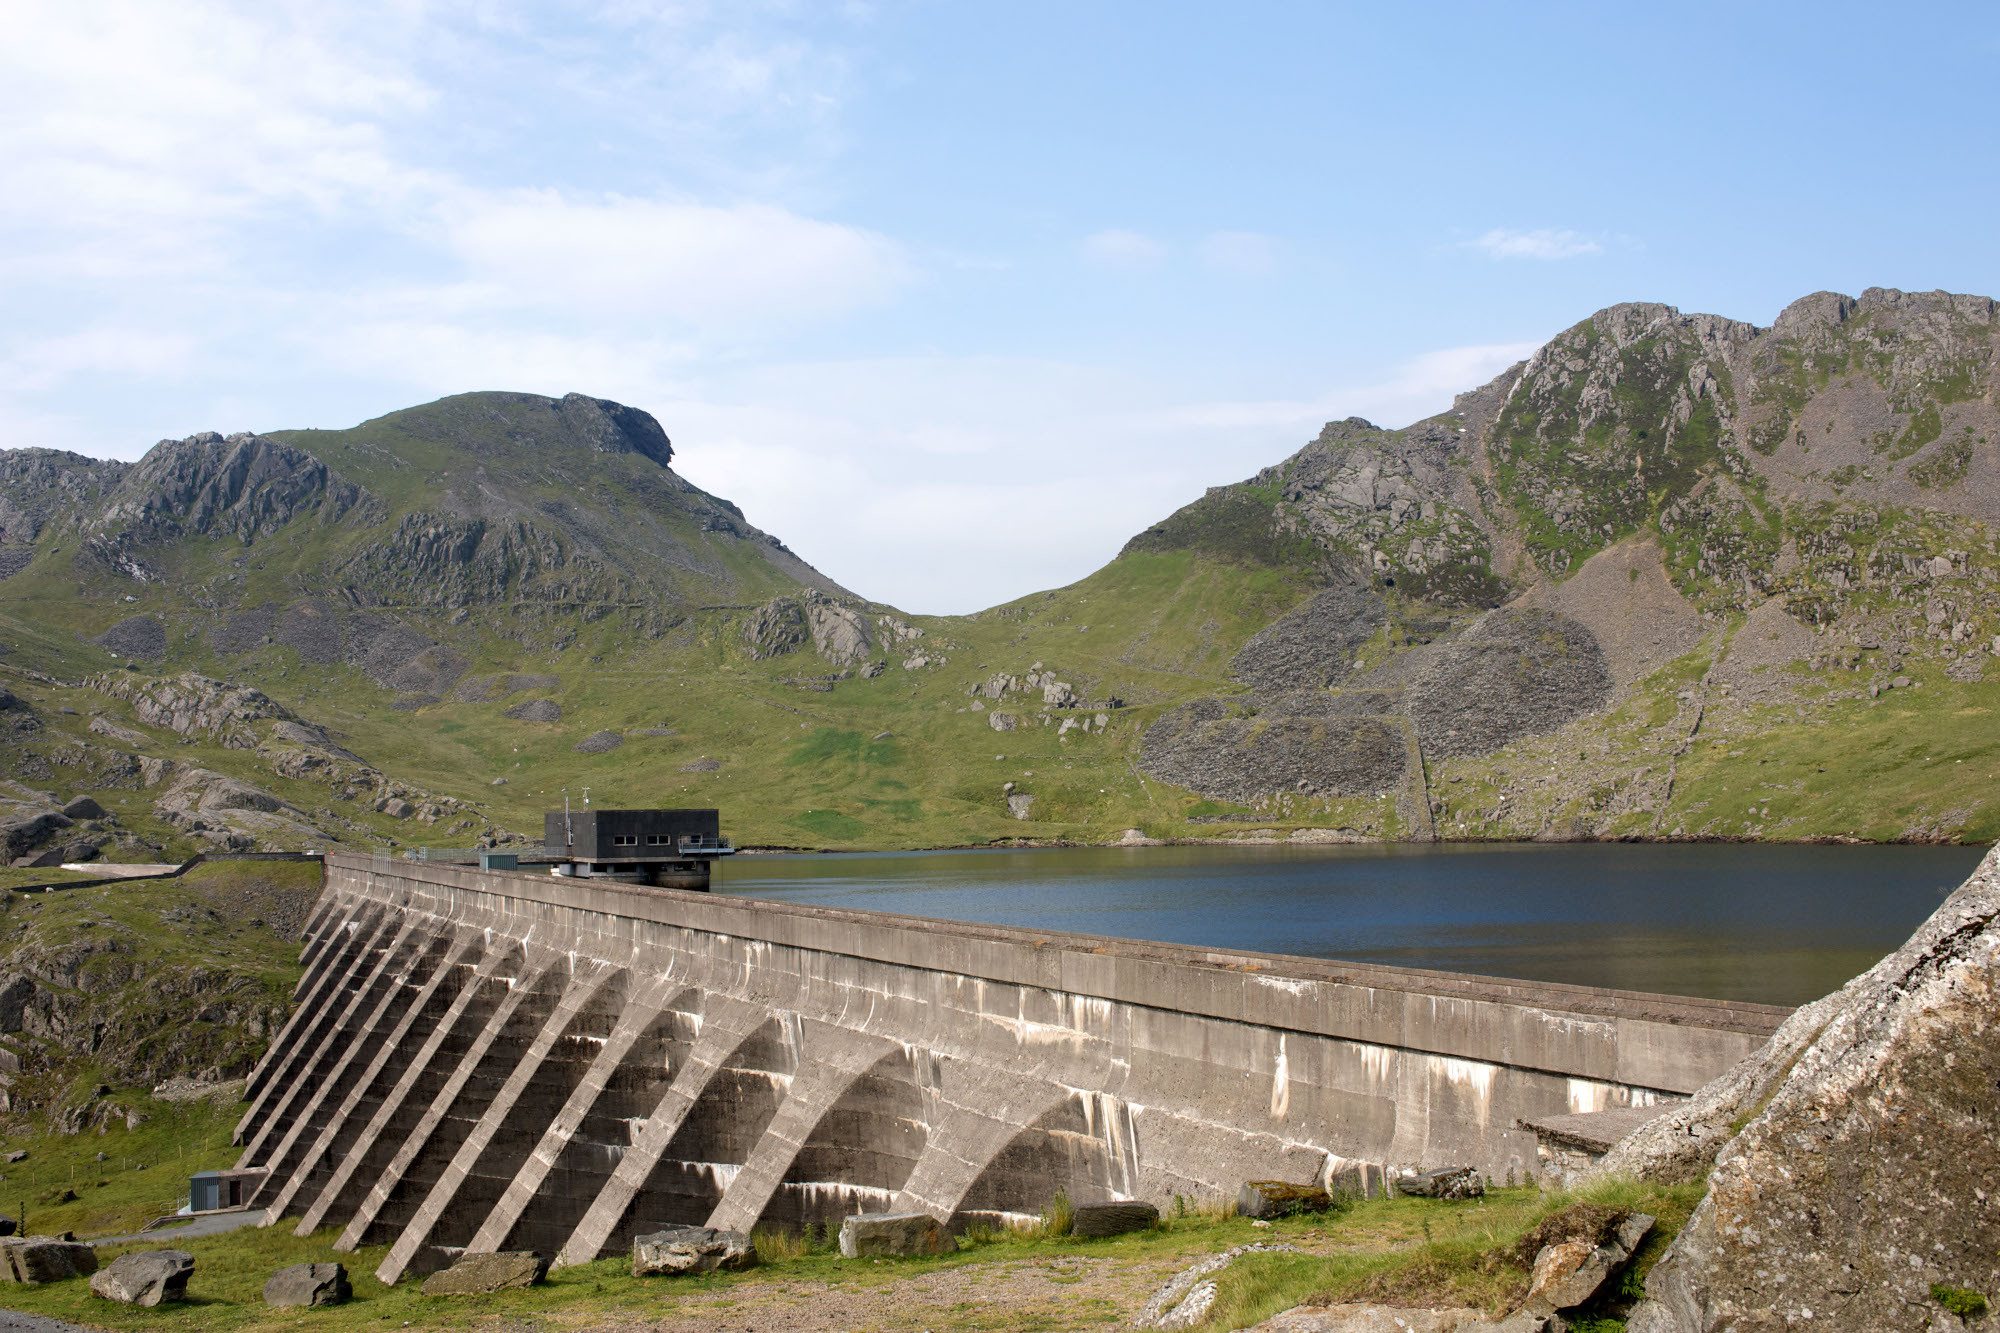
{"type": "Point", "coordinates": [1777, 924]}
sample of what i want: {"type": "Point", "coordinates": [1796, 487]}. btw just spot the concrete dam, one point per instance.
{"type": "Point", "coordinates": [491, 1060]}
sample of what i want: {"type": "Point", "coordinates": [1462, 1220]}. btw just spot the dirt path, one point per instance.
{"type": "Point", "coordinates": [1049, 1293]}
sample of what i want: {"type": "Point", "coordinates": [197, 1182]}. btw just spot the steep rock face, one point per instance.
{"type": "Point", "coordinates": [1864, 1176]}
{"type": "Point", "coordinates": [614, 428]}
{"type": "Point", "coordinates": [1633, 402]}
{"type": "Point", "coordinates": [1397, 504]}
{"type": "Point", "coordinates": [41, 486]}
{"type": "Point", "coordinates": [243, 486]}
{"type": "Point", "coordinates": [1885, 397]}
{"type": "Point", "coordinates": [438, 559]}
{"type": "Point", "coordinates": [839, 633]}
{"type": "Point", "coordinates": [776, 628]}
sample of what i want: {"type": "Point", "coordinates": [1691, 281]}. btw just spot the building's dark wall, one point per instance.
{"type": "Point", "coordinates": [614, 835]}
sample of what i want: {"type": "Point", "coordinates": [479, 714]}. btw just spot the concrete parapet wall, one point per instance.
{"type": "Point", "coordinates": [491, 1060]}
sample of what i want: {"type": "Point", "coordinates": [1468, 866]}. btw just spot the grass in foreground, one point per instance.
{"type": "Point", "coordinates": [1403, 1251]}
{"type": "Point", "coordinates": [1418, 1252]}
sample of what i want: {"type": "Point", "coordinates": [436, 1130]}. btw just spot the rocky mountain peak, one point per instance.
{"type": "Point", "coordinates": [1820, 310]}
{"type": "Point", "coordinates": [614, 428]}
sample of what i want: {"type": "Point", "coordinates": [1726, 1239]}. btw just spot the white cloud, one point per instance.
{"type": "Point", "coordinates": [137, 133]}
{"type": "Point", "coordinates": [1245, 252]}
{"type": "Point", "coordinates": [1541, 243]}
{"type": "Point", "coordinates": [1118, 248]}
{"type": "Point", "coordinates": [33, 364]}
{"type": "Point", "coordinates": [668, 263]}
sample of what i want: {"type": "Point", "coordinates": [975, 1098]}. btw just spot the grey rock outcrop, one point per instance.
{"type": "Point", "coordinates": [776, 628]}
{"type": "Point", "coordinates": [1569, 1273]}
{"type": "Point", "coordinates": [893, 1235]}
{"type": "Point", "coordinates": [679, 1250]}
{"type": "Point", "coordinates": [243, 486]}
{"type": "Point", "coordinates": [195, 706]}
{"type": "Point", "coordinates": [478, 1274]}
{"type": "Point", "coordinates": [613, 428]}
{"type": "Point", "coordinates": [40, 488]}
{"type": "Point", "coordinates": [308, 1286]}
{"type": "Point", "coordinates": [145, 1277]}
{"type": "Point", "coordinates": [839, 633]}
{"type": "Point", "coordinates": [1864, 1174]}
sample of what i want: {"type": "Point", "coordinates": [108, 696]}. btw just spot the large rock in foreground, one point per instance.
{"type": "Point", "coordinates": [680, 1250]}
{"type": "Point", "coordinates": [1869, 1177]}
{"type": "Point", "coordinates": [1094, 1221]}
{"type": "Point", "coordinates": [45, 1259]}
{"type": "Point", "coordinates": [478, 1274]}
{"type": "Point", "coordinates": [308, 1286]}
{"type": "Point", "coordinates": [145, 1277]}
{"type": "Point", "coordinates": [893, 1236]}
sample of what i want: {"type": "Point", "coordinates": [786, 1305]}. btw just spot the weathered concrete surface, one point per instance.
{"type": "Point", "coordinates": [1863, 1173]}
{"type": "Point", "coordinates": [490, 1060]}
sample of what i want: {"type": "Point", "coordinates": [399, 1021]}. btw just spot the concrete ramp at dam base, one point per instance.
{"type": "Point", "coordinates": [493, 1060]}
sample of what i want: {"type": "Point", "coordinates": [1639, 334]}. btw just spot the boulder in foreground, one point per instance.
{"type": "Point", "coordinates": [309, 1286]}
{"type": "Point", "coordinates": [145, 1277]}
{"type": "Point", "coordinates": [680, 1250]}
{"type": "Point", "coordinates": [893, 1236]}
{"type": "Point", "coordinates": [477, 1274]}
{"type": "Point", "coordinates": [1097, 1220]}
{"type": "Point", "coordinates": [44, 1259]}
{"type": "Point", "coordinates": [1280, 1198]}
{"type": "Point", "coordinates": [1570, 1272]}
{"type": "Point", "coordinates": [1448, 1182]}
{"type": "Point", "coordinates": [1863, 1175]}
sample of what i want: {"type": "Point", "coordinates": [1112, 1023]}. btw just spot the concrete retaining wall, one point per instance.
{"type": "Point", "coordinates": [495, 1060]}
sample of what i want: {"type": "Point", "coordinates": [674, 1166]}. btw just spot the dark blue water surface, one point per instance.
{"type": "Point", "coordinates": [1773, 923]}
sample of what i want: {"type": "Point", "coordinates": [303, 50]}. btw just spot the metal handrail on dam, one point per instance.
{"type": "Point", "coordinates": [506, 1060]}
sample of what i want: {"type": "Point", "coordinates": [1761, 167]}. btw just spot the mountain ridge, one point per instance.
{"type": "Point", "coordinates": [1678, 548]}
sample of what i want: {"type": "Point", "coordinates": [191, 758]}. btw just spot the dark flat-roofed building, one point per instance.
{"type": "Point", "coordinates": [672, 848]}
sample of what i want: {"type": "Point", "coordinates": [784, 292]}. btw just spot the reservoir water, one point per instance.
{"type": "Point", "coordinates": [1778, 924]}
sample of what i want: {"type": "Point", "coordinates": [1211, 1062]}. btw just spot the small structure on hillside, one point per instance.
{"type": "Point", "coordinates": [671, 849]}
{"type": "Point", "coordinates": [220, 1191]}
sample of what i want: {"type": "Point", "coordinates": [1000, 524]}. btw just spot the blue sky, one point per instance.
{"type": "Point", "coordinates": [954, 298]}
